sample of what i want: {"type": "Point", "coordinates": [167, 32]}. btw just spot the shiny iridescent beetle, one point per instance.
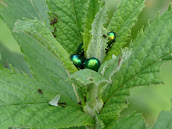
{"type": "Point", "coordinates": [92, 63]}
{"type": "Point", "coordinates": [78, 60]}
{"type": "Point", "coordinates": [111, 39]}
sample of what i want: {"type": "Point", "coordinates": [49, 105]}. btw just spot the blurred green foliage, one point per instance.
{"type": "Point", "coordinates": [10, 51]}
{"type": "Point", "coordinates": [147, 100]}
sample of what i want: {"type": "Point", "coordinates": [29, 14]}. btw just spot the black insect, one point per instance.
{"type": "Point", "coordinates": [111, 39]}
{"type": "Point", "coordinates": [79, 103]}
{"type": "Point", "coordinates": [40, 91]}
{"type": "Point", "coordinates": [104, 36]}
{"type": "Point", "coordinates": [54, 21]}
{"type": "Point", "coordinates": [54, 32]}
{"type": "Point", "coordinates": [85, 99]}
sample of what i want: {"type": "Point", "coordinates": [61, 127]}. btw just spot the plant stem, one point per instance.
{"type": "Point", "coordinates": [94, 102]}
{"type": "Point", "coordinates": [74, 88]}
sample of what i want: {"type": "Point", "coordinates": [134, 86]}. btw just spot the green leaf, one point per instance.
{"type": "Point", "coordinates": [99, 123]}
{"type": "Point", "coordinates": [44, 66]}
{"type": "Point", "coordinates": [134, 121]}
{"type": "Point", "coordinates": [171, 104]}
{"type": "Point", "coordinates": [2, 4]}
{"type": "Point", "coordinates": [98, 44]}
{"type": "Point", "coordinates": [91, 83]}
{"type": "Point", "coordinates": [86, 77]}
{"type": "Point", "coordinates": [42, 34]}
{"type": "Point", "coordinates": [18, 9]}
{"type": "Point", "coordinates": [13, 58]}
{"type": "Point", "coordinates": [150, 50]}
{"type": "Point", "coordinates": [93, 8]}
{"type": "Point", "coordinates": [164, 121]}
{"type": "Point", "coordinates": [122, 22]}
{"type": "Point", "coordinates": [23, 105]}
{"type": "Point", "coordinates": [110, 67]}
{"type": "Point", "coordinates": [70, 15]}
{"type": "Point", "coordinates": [41, 9]}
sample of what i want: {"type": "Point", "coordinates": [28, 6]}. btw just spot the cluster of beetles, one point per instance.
{"type": "Point", "coordinates": [93, 63]}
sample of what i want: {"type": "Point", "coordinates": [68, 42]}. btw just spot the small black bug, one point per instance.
{"type": "Point", "coordinates": [104, 36]}
{"type": "Point", "coordinates": [54, 21]}
{"type": "Point", "coordinates": [40, 91]}
{"type": "Point", "coordinates": [54, 32]}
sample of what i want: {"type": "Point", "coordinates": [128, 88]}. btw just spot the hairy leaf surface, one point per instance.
{"type": "Point", "coordinates": [150, 50]}
{"type": "Point", "coordinates": [44, 66]}
{"type": "Point", "coordinates": [122, 22]}
{"type": "Point", "coordinates": [93, 8]}
{"type": "Point", "coordinates": [40, 33]}
{"type": "Point", "coordinates": [87, 76]}
{"type": "Point", "coordinates": [69, 26]}
{"type": "Point", "coordinates": [97, 43]}
{"type": "Point", "coordinates": [23, 105]}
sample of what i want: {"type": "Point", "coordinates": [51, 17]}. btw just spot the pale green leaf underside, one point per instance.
{"type": "Point", "coordinates": [164, 121]}
{"type": "Point", "coordinates": [134, 121]}
{"type": "Point", "coordinates": [17, 9]}
{"type": "Point", "coordinates": [21, 105]}
{"type": "Point", "coordinates": [70, 14]}
{"type": "Point", "coordinates": [93, 8]}
{"type": "Point", "coordinates": [97, 43]}
{"type": "Point", "coordinates": [42, 34]}
{"type": "Point", "coordinates": [122, 22]}
{"type": "Point", "coordinates": [150, 50]}
{"type": "Point", "coordinates": [110, 67]}
{"type": "Point", "coordinates": [99, 123]}
{"type": "Point", "coordinates": [107, 68]}
{"type": "Point", "coordinates": [87, 76]}
{"type": "Point", "coordinates": [44, 66]}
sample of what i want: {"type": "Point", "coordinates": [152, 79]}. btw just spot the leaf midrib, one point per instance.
{"type": "Point", "coordinates": [31, 1]}
{"type": "Point", "coordinates": [24, 104]}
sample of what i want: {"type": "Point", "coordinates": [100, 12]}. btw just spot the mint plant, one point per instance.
{"type": "Point", "coordinates": [61, 96]}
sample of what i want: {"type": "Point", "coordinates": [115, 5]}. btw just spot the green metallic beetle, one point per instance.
{"type": "Point", "coordinates": [92, 63]}
{"type": "Point", "coordinates": [111, 39]}
{"type": "Point", "coordinates": [78, 61]}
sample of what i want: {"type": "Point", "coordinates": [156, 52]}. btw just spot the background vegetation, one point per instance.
{"type": "Point", "coordinates": [147, 100]}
